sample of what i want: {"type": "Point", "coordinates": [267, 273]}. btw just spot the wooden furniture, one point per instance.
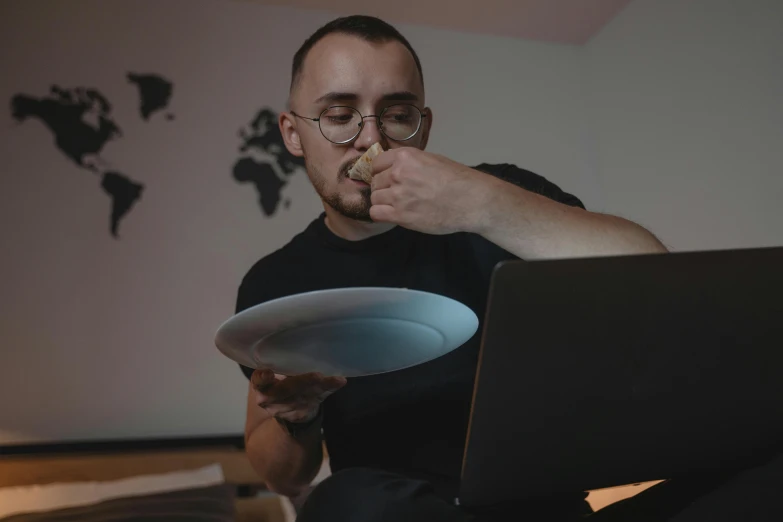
{"type": "Point", "coordinates": [48, 468]}
{"type": "Point", "coordinates": [24, 470]}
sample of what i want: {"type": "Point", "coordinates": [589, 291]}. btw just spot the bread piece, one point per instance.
{"type": "Point", "coordinates": [362, 169]}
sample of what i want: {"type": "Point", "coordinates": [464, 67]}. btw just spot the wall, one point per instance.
{"type": "Point", "coordinates": [686, 120]}
{"type": "Point", "coordinates": [109, 337]}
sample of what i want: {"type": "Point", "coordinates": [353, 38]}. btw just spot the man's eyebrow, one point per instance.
{"type": "Point", "coordinates": [337, 96]}
{"type": "Point", "coordinates": [352, 96]}
{"type": "Point", "coordinates": [400, 96]}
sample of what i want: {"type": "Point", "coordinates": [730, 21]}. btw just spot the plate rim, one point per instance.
{"type": "Point", "coordinates": [354, 289]}
{"type": "Point", "coordinates": [247, 311]}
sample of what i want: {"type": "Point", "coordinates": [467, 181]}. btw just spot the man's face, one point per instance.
{"type": "Point", "coordinates": [346, 70]}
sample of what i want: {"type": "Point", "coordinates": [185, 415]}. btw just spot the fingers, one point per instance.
{"type": "Point", "coordinates": [329, 385]}
{"type": "Point", "coordinates": [383, 161]}
{"type": "Point", "coordinates": [262, 379]}
{"type": "Point", "coordinates": [295, 386]}
{"type": "Point", "coordinates": [294, 398]}
{"type": "Point", "coordinates": [298, 415]}
{"type": "Point", "coordinates": [383, 196]}
{"type": "Point", "coordinates": [381, 181]}
{"type": "Point", "coordinates": [334, 383]}
{"type": "Point", "coordinates": [383, 214]}
{"type": "Point", "coordinates": [282, 409]}
{"type": "Point", "coordinates": [307, 387]}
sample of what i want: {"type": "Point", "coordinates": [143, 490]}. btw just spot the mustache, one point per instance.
{"type": "Point", "coordinates": [346, 166]}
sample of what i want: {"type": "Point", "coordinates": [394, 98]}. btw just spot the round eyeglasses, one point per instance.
{"type": "Point", "coordinates": [342, 124]}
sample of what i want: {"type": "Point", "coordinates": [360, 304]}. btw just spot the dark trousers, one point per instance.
{"type": "Point", "coordinates": [754, 494]}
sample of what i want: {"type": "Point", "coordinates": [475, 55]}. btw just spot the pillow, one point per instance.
{"type": "Point", "coordinates": [192, 484]}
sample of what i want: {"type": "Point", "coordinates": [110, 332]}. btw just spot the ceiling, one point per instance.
{"type": "Point", "coordinates": [558, 21]}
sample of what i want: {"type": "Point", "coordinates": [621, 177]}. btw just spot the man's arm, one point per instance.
{"type": "Point", "coordinates": [286, 462]}
{"type": "Point", "coordinates": [435, 195]}
{"type": "Point", "coordinates": [532, 226]}
{"type": "Point", "coordinates": [287, 465]}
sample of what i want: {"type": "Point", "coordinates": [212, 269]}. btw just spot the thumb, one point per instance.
{"type": "Point", "coordinates": [262, 379]}
{"type": "Point", "coordinates": [329, 385]}
{"type": "Point", "coordinates": [334, 383]}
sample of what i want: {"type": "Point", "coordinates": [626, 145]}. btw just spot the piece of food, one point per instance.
{"type": "Point", "coordinates": [362, 169]}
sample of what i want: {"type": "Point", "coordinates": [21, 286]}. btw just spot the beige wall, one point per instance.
{"type": "Point", "coordinates": [686, 119]}
{"type": "Point", "coordinates": [105, 338]}
{"type": "Point", "coordinates": [671, 117]}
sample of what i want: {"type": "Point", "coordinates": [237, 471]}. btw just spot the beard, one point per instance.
{"type": "Point", "coordinates": [357, 210]}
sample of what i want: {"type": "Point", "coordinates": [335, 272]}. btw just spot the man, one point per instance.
{"type": "Point", "coordinates": [426, 222]}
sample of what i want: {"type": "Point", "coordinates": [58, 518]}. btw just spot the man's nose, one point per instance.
{"type": "Point", "coordinates": [369, 134]}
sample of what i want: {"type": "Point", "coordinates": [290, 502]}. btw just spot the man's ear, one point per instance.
{"type": "Point", "coordinates": [290, 134]}
{"type": "Point", "coordinates": [426, 124]}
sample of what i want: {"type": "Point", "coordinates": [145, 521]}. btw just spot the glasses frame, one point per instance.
{"type": "Point", "coordinates": [422, 115]}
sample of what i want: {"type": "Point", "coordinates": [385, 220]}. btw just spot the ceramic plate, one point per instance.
{"type": "Point", "coordinates": [347, 332]}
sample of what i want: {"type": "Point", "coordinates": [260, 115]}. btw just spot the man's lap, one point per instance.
{"type": "Point", "coordinates": [370, 495]}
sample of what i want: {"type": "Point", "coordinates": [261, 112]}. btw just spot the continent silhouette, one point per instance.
{"type": "Point", "coordinates": [263, 135]}
{"type": "Point", "coordinates": [124, 193]}
{"type": "Point", "coordinates": [80, 120]}
{"type": "Point", "coordinates": [67, 114]}
{"type": "Point", "coordinates": [263, 177]}
{"type": "Point", "coordinates": [155, 92]}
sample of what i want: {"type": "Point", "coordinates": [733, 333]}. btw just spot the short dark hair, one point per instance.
{"type": "Point", "coordinates": [367, 28]}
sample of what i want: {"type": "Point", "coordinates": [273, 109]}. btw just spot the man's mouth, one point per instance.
{"type": "Point", "coordinates": [346, 167]}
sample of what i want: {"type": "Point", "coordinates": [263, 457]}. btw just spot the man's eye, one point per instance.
{"type": "Point", "coordinates": [344, 118]}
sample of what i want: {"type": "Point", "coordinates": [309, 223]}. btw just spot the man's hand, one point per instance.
{"type": "Point", "coordinates": [296, 398]}
{"type": "Point", "coordinates": [425, 192]}
{"type": "Point", "coordinates": [434, 195]}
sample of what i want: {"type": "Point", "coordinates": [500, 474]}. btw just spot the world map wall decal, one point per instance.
{"type": "Point", "coordinates": [81, 121]}
{"type": "Point", "coordinates": [154, 93]}
{"type": "Point", "coordinates": [263, 134]}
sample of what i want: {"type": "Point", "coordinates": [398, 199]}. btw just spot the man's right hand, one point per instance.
{"type": "Point", "coordinates": [296, 398]}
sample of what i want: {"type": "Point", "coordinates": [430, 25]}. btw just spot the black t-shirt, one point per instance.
{"type": "Point", "coordinates": [412, 421]}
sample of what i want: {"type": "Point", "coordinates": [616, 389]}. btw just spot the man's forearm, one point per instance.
{"type": "Point", "coordinates": [532, 226]}
{"type": "Point", "coordinates": [287, 465]}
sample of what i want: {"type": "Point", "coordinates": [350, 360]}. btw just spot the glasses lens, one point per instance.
{"type": "Point", "coordinates": [400, 122]}
{"type": "Point", "coordinates": [340, 124]}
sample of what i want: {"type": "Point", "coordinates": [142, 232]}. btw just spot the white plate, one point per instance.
{"type": "Point", "coordinates": [347, 332]}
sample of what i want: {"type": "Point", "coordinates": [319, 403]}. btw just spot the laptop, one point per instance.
{"type": "Point", "coordinates": [602, 372]}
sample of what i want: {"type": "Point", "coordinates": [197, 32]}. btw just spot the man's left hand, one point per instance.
{"type": "Point", "coordinates": [426, 192]}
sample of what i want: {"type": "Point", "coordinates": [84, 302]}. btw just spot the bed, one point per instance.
{"type": "Point", "coordinates": [209, 480]}
{"type": "Point", "coordinates": [185, 479]}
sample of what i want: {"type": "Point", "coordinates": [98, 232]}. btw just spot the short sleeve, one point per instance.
{"type": "Point", "coordinates": [243, 302]}
{"type": "Point", "coordinates": [255, 289]}
{"type": "Point", "coordinates": [530, 181]}
{"type": "Point", "coordinates": [487, 254]}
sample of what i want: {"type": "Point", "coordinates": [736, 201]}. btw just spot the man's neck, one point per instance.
{"type": "Point", "coordinates": [351, 229]}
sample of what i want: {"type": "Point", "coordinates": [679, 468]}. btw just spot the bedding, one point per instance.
{"type": "Point", "coordinates": [181, 495]}
{"type": "Point", "coordinates": [207, 504]}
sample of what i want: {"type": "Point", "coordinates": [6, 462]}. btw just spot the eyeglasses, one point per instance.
{"type": "Point", "coordinates": [342, 124]}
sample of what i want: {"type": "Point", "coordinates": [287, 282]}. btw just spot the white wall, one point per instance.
{"type": "Point", "coordinates": [105, 338]}
{"type": "Point", "coordinates": [672, 116]}
{"type": "Point", "coordinates": [686, 120]}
